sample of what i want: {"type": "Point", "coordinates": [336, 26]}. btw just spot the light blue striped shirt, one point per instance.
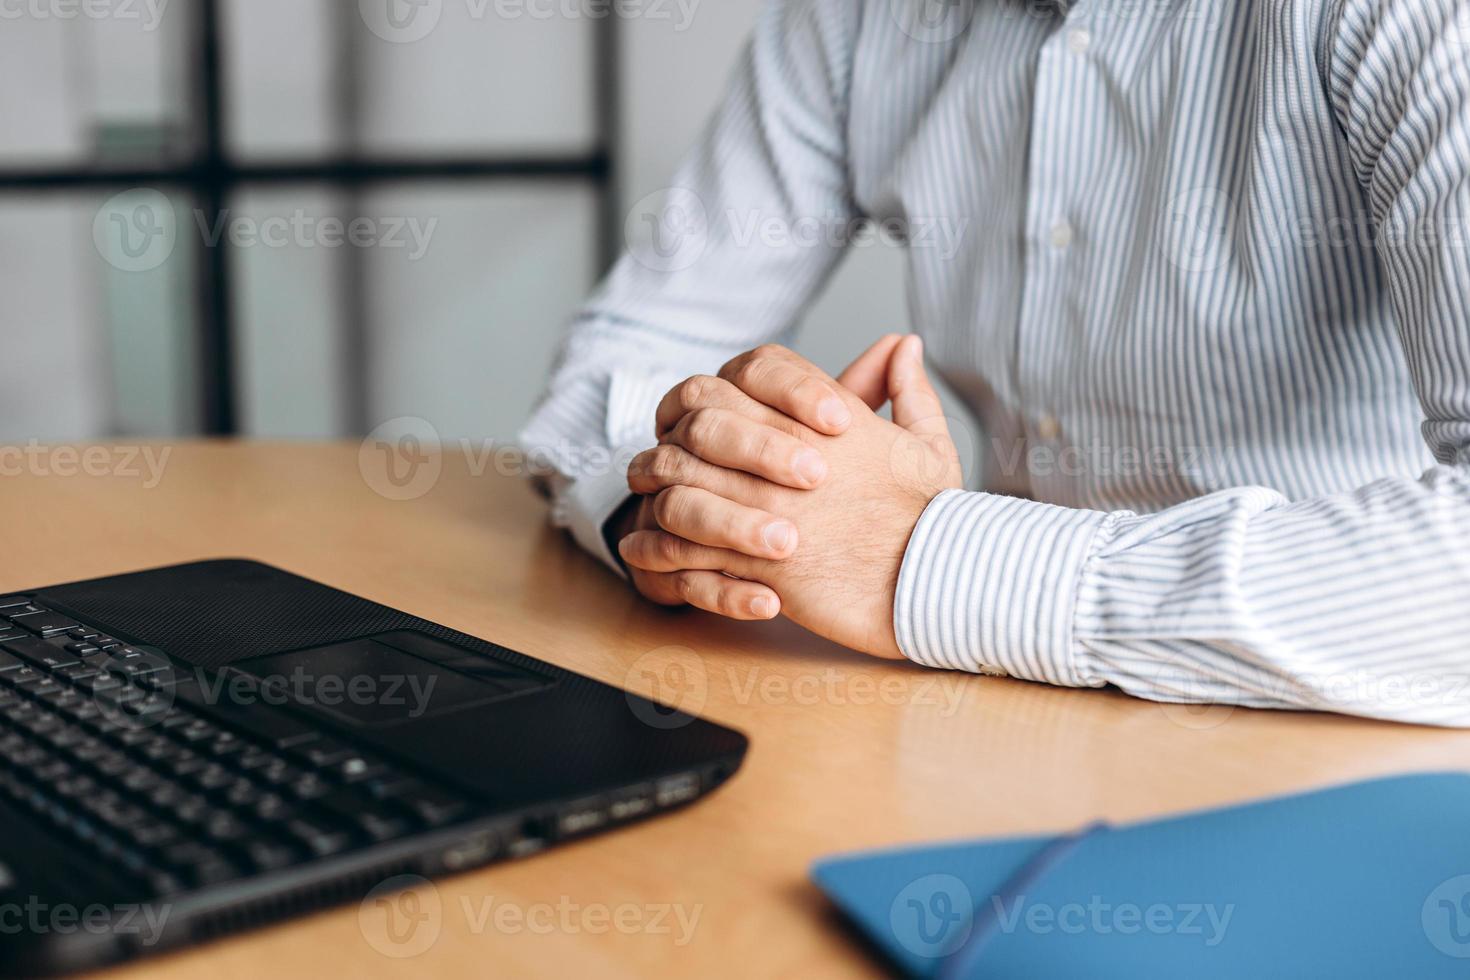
{"type": "Point", "coordinates": [1200, 269]}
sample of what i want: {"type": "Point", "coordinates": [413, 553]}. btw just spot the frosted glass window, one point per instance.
{"type": "Point", "coordinates": [478, 83]}
{"type": "Point", "coordinates": [463, 336]}
{"type": "Point", "coordinates": [281, 75]}
{"type": "Point", "coordinates": [289, 262]}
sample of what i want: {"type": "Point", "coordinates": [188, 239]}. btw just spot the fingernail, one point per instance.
{"type": "Point", "coordinates": [623, 547]}
{"type": "Point", "coordinates": [779, 536]}
{"type": "Point", "coordinates": [833, 413]}
{"type": "Point", "coordinates": [763, 606]}
{"type": "Point", "coordinates": [810, 466]}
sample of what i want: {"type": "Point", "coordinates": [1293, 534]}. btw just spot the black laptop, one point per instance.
{"type": "Point", "coordinates": [195, 750]}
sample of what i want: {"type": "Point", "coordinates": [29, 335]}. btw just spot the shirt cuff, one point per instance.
{"type": "Point", "coordinates": [989, 584]}
{"type": "Point", "coordinates": [586, 505]}
{"type": "Point", "coordinates": [594, 495]}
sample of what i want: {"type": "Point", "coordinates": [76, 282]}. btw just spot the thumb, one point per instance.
{"type": "Point", "coordinates": [867, 377]}
{"type": "Point", "coordinates": [916, 405]}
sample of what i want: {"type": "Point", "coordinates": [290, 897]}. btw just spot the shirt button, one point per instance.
{"type": "Point", "coordinates": [1048, 428]}
{"type": "Point", "coordinates": [1062, 235]}
{"type": "Point", "coordinates": [1079, 40]}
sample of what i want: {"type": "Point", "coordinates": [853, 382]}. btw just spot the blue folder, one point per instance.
{"type": "Point", "coordinates": [1365, 880]}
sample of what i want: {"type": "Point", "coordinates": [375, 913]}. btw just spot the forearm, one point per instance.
{"type": "Point", "coordinates": [1352, 603]}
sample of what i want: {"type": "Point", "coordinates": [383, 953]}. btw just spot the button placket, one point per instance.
{"type": "Point", "coordinates": [1052, 237]}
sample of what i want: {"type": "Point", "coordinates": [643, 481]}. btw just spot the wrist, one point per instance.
{"type": "Point", "coordinates": [619, 525]}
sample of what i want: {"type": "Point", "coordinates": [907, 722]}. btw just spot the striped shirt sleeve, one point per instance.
{"type": "Point", "coordinates": [1357, 602]}
{"type": "Point", "coordinates": [723, 260]}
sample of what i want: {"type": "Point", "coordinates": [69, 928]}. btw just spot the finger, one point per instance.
{"type": "Point", "coordinates": [704, 391]}
{"type": "Point", "coordinates": [792, 385]}
{"type": "Point", "coordinates": [731, 440]}
{"type": "Point", "coordinates": [707, 518]}
{"type": "Point", "coordinates": [660, 551]}
{"type": "Point", "coordinates": [916, 405]}
{"type": "Point", "coordinates": [867, 377]}
{"type": "Point", "coordinates": [671, 466]}
{"type": "Point", "coordinates": [714, 592]}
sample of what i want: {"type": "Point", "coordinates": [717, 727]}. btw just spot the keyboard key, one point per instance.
{"type": "Point", "coordinates": [325, 752]}
{"type": "Point", "coordinates": [22, 676]}
{"type": "Point", "coordinates": [8, 601]}
{"type": "Point", "coordinates": [319, 838]}
{"type": "Point", "coordinates": [38, 652]}
{"type": "Point", "coordinates": [434, 807]}
{"type": "Point", "coordinates": [98, 682]}
{"type": "Point", "coordinates": [21, 609]}
{"type": "Point", "coordinates": [271, 807]}
{"type": "Point", "coordinates": [357, 768]}
{"type": "Point", "coordinates": [10, 633]}
{"type": "Point", "coordinates": [44, 623]}
{"type": "Point", "coordinates": [269, 855]}
{"type": "Point", "coordinates": [81, 632]}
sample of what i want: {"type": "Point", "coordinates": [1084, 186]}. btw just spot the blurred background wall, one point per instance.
{"type": "Point", "coordinates": [343, 211]}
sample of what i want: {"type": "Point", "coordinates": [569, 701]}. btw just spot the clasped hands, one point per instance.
{"type": "Point", "coordinates": [776, 489]}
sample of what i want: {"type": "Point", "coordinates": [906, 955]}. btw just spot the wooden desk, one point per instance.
{"type": "Point", "coordinates": [846, 752]}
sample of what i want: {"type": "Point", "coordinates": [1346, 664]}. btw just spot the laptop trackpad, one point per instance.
{"type": "Point", "coordinates": [388, 679]}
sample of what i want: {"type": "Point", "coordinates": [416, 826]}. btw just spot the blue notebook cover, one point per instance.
{"type": "Point", "coordinates": [1366, 880]}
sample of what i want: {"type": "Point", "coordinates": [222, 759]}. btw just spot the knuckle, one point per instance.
{"type": "Point", "coordinates": [685, 585]}
{"type": "Point", "coordinates": [645, 464]}
{"type": "Point", "coordinates": [667, 462]}
{"type": "Point", "coordinates": [669, 548]}
{"type": "Point", "coordinates": [808, 390]}
{"type": "Point", "coordinates": [770, 351]}
{"type": "Point", "coordinates": [769, 447]}
{"type": "Point", "coordinates": [668, 506]}
{"type": "Point", "coordinates": [752, 374]}
{"type": "Point", "coordinates": [729, 369]}
{"type": "Point", "coordinates": [694, 392]}
{"type": "Point", "coordinates": [704, 427]}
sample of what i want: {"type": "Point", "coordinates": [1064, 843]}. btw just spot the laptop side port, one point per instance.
{"type": "Point", "coordinates": [677, 789]}
{"type": "Point", "coordinates": [531, 836]}
{"type": "Point", "coordinates": [632, 803]}
{"type": "Point", "coordinates": [474, 850]}
{"type": "Point", "coordinates": [581, 817]}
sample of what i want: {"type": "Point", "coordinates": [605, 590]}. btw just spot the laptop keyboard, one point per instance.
{"type": "Point", "coordinates": [125, 753]}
